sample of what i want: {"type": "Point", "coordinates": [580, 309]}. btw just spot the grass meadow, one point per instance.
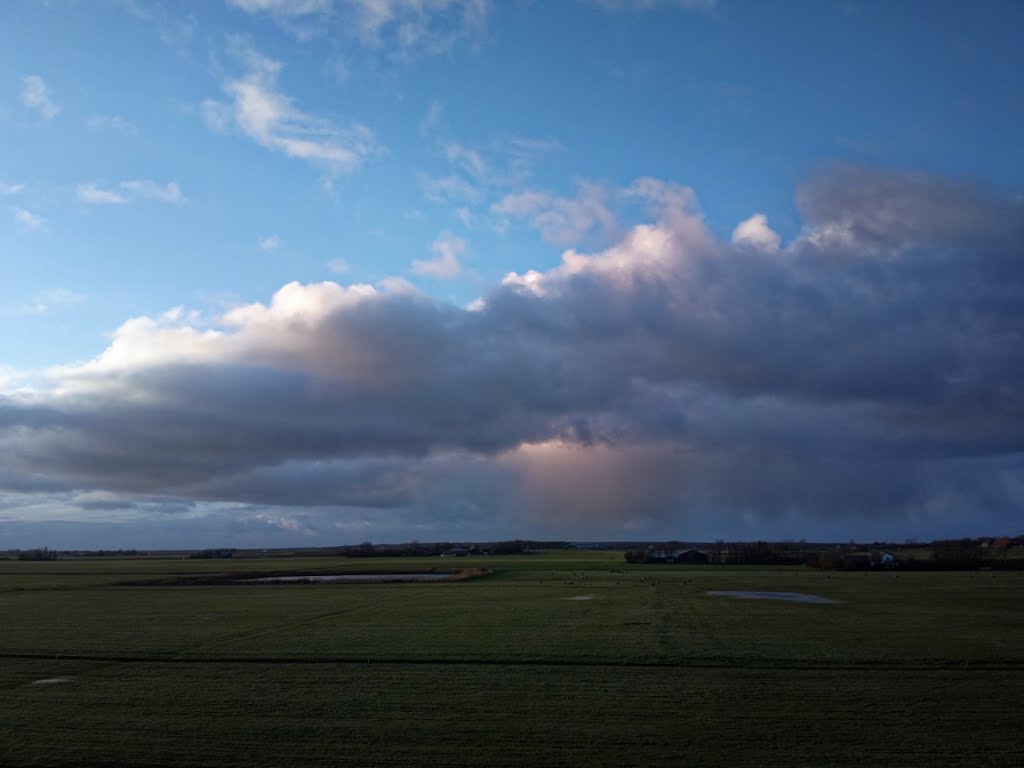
{"type": "Point", "coordinates": [553, 659]}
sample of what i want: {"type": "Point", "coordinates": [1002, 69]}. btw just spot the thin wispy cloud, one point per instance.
{"type": "Point", "coordinates": [136, 9]}
{"type": "Point", "coordinates": [28, 220]}
{"type": "Point", "coordinates": [431, 26]}
{"type": "Point", "coordinates": [263, 112]}
{"type": "Point", "coordinates": [144, 189]}
{"type": "Point", "coordinates": [114, 123]}
{"type": "Point", "coordinates": [474, 176]}
{"type": "Point", "coordinates": [403, 27]}
{"type": "Point", "coordinates": [303, 19]}
{"type": "Point", "coordinates": [176, 31]}
{"type": "Point", "coordinates": [35, 95]}
{"type": "Point", "coordinates": [270, 243]}
{"type": "Point", "coordinates": [95, 195]}
{"type": "Point", "coordinates": [46, 301]}
{"type": "Point", "coordinates": [470, 177]}
{"type": "Point", "coordinates": [131, 190]}
{"type": "Point", "coordinates": [562, 220]}
{"type": "Point", "coordinates": [646, 5]}
{"type": "Point", "coordinates": [432, 118]}
{"type": "Point", "coordinates": [283, 7]}
{"type": "Point", "coordinates": [336, 67]}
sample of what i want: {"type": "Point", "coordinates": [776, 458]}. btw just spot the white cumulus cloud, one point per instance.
{"type": "Point", "coordinates": [671, 376]}
{"type": "Point", "coordinates": [445, 265]}
{"type": "Point", "coordinates": [756, 232]}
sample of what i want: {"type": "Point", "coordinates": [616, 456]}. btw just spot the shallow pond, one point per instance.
{"type": "Point", "coordinates": [792, 597]}
{"type": "Point", "coordinates": [351, 577]}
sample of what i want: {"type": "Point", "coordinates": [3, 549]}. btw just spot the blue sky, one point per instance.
{"type": "Point", "coordinates": [169, 168]}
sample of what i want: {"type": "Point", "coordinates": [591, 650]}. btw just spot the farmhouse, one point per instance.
{"type": "Point", "coordinates": [676, 556]}
{"type": "Point", "coordinates": [883, 559]}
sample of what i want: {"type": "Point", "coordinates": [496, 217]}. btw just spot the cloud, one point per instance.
{"type": "Point", "coordinates": [445, 265]}
{"type": "Point", "coordinates": [339, 266]}
{"type": "Point", "coordinates": [562, 220]}
{"type": "Point", "coordinates": [472, 176]}
{"type": "Point", "coordinates": [337, 68]}
{"type": "Point", "coordinates": [646, 5]}
{"type": "Point", "coordinates": [177, 32]}
{"type": "Point", "coordinates": [591, 215]}
{"type": "Point", "coordinates": [432, 118]}
{"type": "Point", "coordinates": [150, 190]}
{"type": "Point", "coordinates": [865, 377]}
{"type": "Point", "coordinates": [270, 243]}
{"type": "Point", "coordinates": [126, 191]}
{"type": "Point", "coordinates": [114, 123]}
{"type": "Point", "coordinates": [469, 178]}
{"type": "Point", "coordinates": [36, 95]}
{"type": "Point", "coordinates": [430, 26]}
{"type": "Point", "coordinates": [406, 27]}
{"type": "Point", "coordinates": [283, 7]}
{"type": "Point", "coordinates": [94, 195]}
{"type": "Point", "coordinates": [47, 301]}
{"type": "Point", "coordinates": [28, 220]}
{"type": "Point", "coordinates": [755, 232]}
{"type": "Point", "coordinates": [261, 111]}
{"type": "Point", "coordinates": [11, 189]}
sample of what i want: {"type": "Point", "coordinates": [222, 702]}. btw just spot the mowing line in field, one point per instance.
{"type": "Point", "coordinates": [290, 624]}
{"type": "Point", "coordinates": [759, 664]}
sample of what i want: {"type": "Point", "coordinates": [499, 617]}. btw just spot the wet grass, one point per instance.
{"type": "Point", "coordinates": [503, 670]}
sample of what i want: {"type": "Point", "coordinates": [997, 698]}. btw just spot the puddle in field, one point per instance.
{"type": "Point", "coordinates": [579, 597]}
{"type": "Point", "coordinates": [51, 680]}
{"type": "Point", "coordinates": [792, 597]}
{"type": "Point", "coordinates": [350, 577]}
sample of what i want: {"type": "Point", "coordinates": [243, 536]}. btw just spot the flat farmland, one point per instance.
{"type": "Point", "coordinates": [551, 659]}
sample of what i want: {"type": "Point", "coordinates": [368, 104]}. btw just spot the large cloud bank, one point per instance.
{"type": "Point", "coordinates": [868, 375]}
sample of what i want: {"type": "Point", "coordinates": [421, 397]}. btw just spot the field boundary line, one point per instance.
{"type": "Point", "coordinates": [781, 665]}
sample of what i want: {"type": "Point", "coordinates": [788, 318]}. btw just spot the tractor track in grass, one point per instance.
{"type": "Point", "coordinates": [232, 637]}
{"type": "Point", "coordinates": [867, 665]}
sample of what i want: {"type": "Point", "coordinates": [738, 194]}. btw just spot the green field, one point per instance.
{"type": "Point", "coordinates": [911, 668]}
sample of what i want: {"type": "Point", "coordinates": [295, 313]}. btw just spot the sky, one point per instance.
{"type": "Point", "coordinates": [315, 272]}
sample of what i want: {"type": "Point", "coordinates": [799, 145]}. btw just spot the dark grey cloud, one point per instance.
{"type": "Point", "coordinates": [870, 370]}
